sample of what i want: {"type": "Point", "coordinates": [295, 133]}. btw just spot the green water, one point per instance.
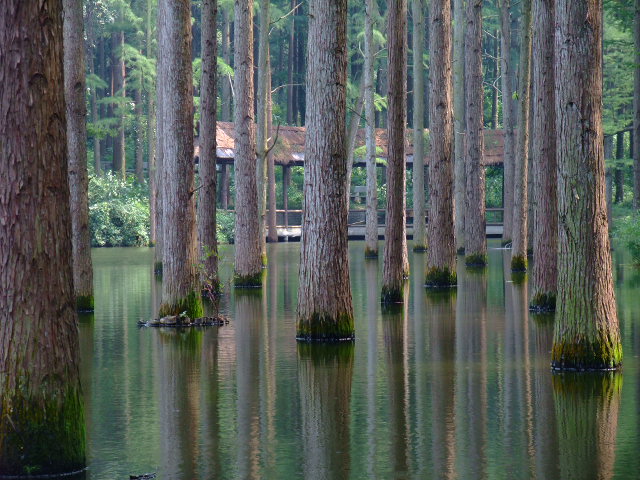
{"type": "Point", "coordinates": [449, 386]}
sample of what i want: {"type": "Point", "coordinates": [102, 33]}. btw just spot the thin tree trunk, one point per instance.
{"type": "Point", "coordinates": [608, 155]}
{"type": "Point", "coordinates": [91, 37]}
{"type": "Point", "coordinates": [441, 256]}
{"type": "Point", "coordinates": [151, 140]}
{"type": "Point", "coordinates": [76, 109]}
{"type": "Point", "coordinates": [352, 133]}
{"type": "Point", "coordinates": [290, 66]}
{"type": "Point", "coordinates": [271, 174]}
{"type": "Point", "coordinates": [140, 134]}
{"type": "Point", "coordinates": [227, 100]}
{"type": "Point", "coordinates": [494, 90]}
{"type": "Point", "coordinates": [507, 120]}
{"type": "Point", "coordinates": [42, 422]}
{"type": "Point", "coordinates": [587, 335]}
{"type": "Point", "coordinates": [159, 175]}
{"type": "Point", "coordinates": [248, 259]}
{"type": "Point", "coordinates": [371, 230]}
{"type": "Point", "coordinates": [475, 229]}
{"type": "Point", "coordinates": [324, 310]}
{"type": "Point", "coordinates": [636, 108]}
{"type": "Point", "coordinates": [119, 89]}
{"type": "Point", "coordinates": [619, 171]}
{"type": "Point", "coordinates": [459, 121]}
{"type": "Point", "coordinates": [208, 175]}
{"type": "Point", "coordinates": [521, 171]}
{"type": "Point", "coordinates": [396, 263]}
{"type": "Point", "coordinates": [543, 154]}
{"type": "Point", "coordinates": [419, 227]}
{"type": "Point", "coordinates": [264, 74]}
{"type": "Point", "coordinates": [180, 290]}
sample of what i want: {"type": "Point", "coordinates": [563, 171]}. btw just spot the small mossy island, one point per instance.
{"type": "Point", "coordinates": [585, 355]}
{"type": "Point", "coordinates": [85, 303]}
{"type": "Point", "coordinates": [42, 433]}
{"type": "Point", "coordinates": [391, 294]}
{"type": "Point", "coordinates": [476, 260]}
{"type": "Point", "coordinates": [543, 302]}
{"type": "Point", "coordinates": [519, 264]}
{"type": "Point", "coordinates": [191, 306]}
{"type": "Point", "coordinates": [254, 280]}
{"type": "Point", "coordinates": [322, 327]}
{"type": "Point", "coordinates": [440, 278]}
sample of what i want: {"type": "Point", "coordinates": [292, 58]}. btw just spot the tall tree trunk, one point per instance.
{"type": "Point", "coordinates": [459, 121]}
{"type": "Point", "coordinates": [119, 89]}
{"type": "Point", "coordinates": [635, 134]}
{"type": "Point", "coordinates": [92, 40]}
{"type": "Point", "coordinates": [494, 90]}
{"type": "Point", "coordinates": [619, 171]}
{"type": "Point", "coordinates": [264, 74]}
{"type": "Point", "coordinates": [208, 175]}
{"type": "Point", "coordinates": [608, 155]}
{"type": "Point", "coordinates": [352, 133]}
{"type": "Point", "coordinates": [475, 229]}
{"type": "Point", "coordinates": [587, 335]}
{"type": "Point", "coordinates": [325, 311]}
{"type": "Point", "coordinates": [441, 256]}
{"type": "Point", "coordinates": [272, 235]}
{"type": "Point", "coordinates": [151, 139]}
{"type": "Point", "coordinates": [41, 421]}
{"type": "Point", "coordinates": [227, 99]}
{"type": "Point", "coordinates": [419, 227]}
{"type": "Point", "coordinates": [507, 120]}
{"type": "Point", "coordinates": [180, 290]}
{"type": "Point", "coordinates": [248, 259]}
{"type": "Point", "coordinates": [396, 263]}
{"type": "Point", "coordinates": [520, 193]}
{"type": "Point", "coordinates": [140, 134]}
{"type": "Point", "coordinates": [74, 88]}
{"type": "Point", "coordinates": [290, 66]}
{"type": "Point", "coordinates": [371, 230]}
{"type": "Point", "coordinates": [159, 176]}
{"type": "Point", "coordinates": [543, 152]}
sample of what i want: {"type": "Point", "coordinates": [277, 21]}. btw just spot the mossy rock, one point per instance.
{"type": "Point", "coordinates": [543, 302]}
{"type": "Point", "coordinates": [519, 263]}
{"type": "Point", "coordinates": [322, 327]}
{"type": "Point", "coordinates": [584, 355]}
{"type": "Point", "coordinates": [85, 303]}
{"type": "Point", "coordinates": [476, 260]}
{"type": "Point", "coordinates": [253, 280]}
{"type": "Point", "coordinates": [440, 278]}
{"type": "Point", "coordinates": [392, 294]}
{"type": "Point", "coordinates": [191, 306]}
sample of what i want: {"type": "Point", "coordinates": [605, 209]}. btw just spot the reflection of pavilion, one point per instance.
{"type": "Point", "coordinates": [289, 152]}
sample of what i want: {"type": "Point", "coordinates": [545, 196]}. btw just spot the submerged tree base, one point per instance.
{"type": "Point", "coordinates": [157, 268]}
{"type": "Point", "coordinates": [478, 260]}
{"type": "Point", "coordinates": [419, 248]}
{"type": "Point", "coordinates": [41, 434]}
{"type": "Point", "coordinates": [440, 278]}
{"type": "Point", "coordinates": [543, 302]}
{"type": "Point", "coordinates": [191, 306]}
{"type": "Point", "coordinates": [392, 294]}
{"type": "Point", "coordinates": [519, 263]}
{"type": "Point", "coordinates": [322, 327]}
{"type": "Point", "coordinates": [370, 252]}
{"type": "Point", "coordinates": [583, 355]}
{"type": "Point", "coordinates": [254, 280]}
{"type": "Point", "coordinates": [85, 303]}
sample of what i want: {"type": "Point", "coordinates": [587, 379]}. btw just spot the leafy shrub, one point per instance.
{"type": "Point", "coordinates": [628, 231]}
{"type": "Point", "coordinates": [118, 212]}
{"type": "Point", "coordinates": [225, 227]}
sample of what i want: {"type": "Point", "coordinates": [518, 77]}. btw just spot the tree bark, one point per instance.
{"type": "Point", "coordinates": [140, 134]}
{"type": "Point", "coordinates": [159, 174]}
{"type": "Point", "coordinates": [441, 256]}
{"type": "Point", "coordinates": [208, 175]}
{"type": "Point", "coordinates": [371, 229]}
{"type": "Point", "coordinates": [264, 75]}
{"type": "Point", "coordinates": [352, 133]}
{"type": "Point", "coordinates": [41, 405]}
{"type": "Point", "coordinates": [494, 89]}
{"type": "Point", "coordinates": [227, 99]}
{"type": "Point", "coordinates": [248, 259]}
{"type": "Point", "coordinates": [290, 66]}
{"type": "Point", "coordinates": [521, 171]}
{"type": "Point", "coordinates": [151, 138]}
{"type": "Point", "coordinates": [180, 290]}
{"type": "Point", "coordinates": [76, 109]}
{"type": "Point", "coordinates": [459, 121]}
{"type": "Point", "coordinates": [92, 40]}
{"type": "Point", "coordinates": [619, 170]}
{"type": "Point", "coordinates": [545, 233]}
{"type": "Point", "coordinates": [475, 229]}
{"type": "Point", "coordinates": [396, 263]}
{"type": "Point", "coordinates": [507, 119]}
{"type": "Point", "coordinates": [587, 334]}
{"type": "Point", "coordinates": [636, 107]}
{"type": "Point", "coordinates": [119, 89]}
{"type": "Point", "coordinates": [272, 235]}
{"type": "Point", "coordinates": [325, 311]}
{"type": "Point", "coordinates": [419, 227]}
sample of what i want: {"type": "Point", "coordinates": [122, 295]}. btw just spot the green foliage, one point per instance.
{"type": "Point", "coordinates": [627, 229]}
{"type": "Point", "coordinates": [618, 68]}
{"type": "Point", "coordinates": [118, 212]}
{"type": "Point", "coordinates": [225, 226]}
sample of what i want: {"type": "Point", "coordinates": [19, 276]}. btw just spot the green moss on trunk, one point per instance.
{"type": "Point", "coordinates": [543, 302]}
{"type": "Point", "coordinates": [264, 260]}
{"type": "Point", "coordinates": [419, 248]}
{"type": "Point", "coordinates": [42, 433]}
{"type": "Point", "coordinates": [249, 281]}
{"type": "Point", "coordinates": [370, 252]}
{"type": "Point", "coordinates": [85, 303]}
{"type": "Point", "coordinates": [582, 354]}
{"type": "Point", "coordinates": [191, 304]}
{"type": "Point", "coordinates": [518, 278]}
{"type": "Point", "coordinates": [322, 327]}
{"type": "Point", "coordinates": [440, 278]}
{"type": "Point", "coordinates": [392, 294]}
{"type": "Point", "coordinates": [519, 264]}
{"type": "Point", "coordinates": [476, 260]}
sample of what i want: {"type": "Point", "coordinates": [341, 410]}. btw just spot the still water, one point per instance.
{"type": "Point", "coordinates": [452, 385]}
